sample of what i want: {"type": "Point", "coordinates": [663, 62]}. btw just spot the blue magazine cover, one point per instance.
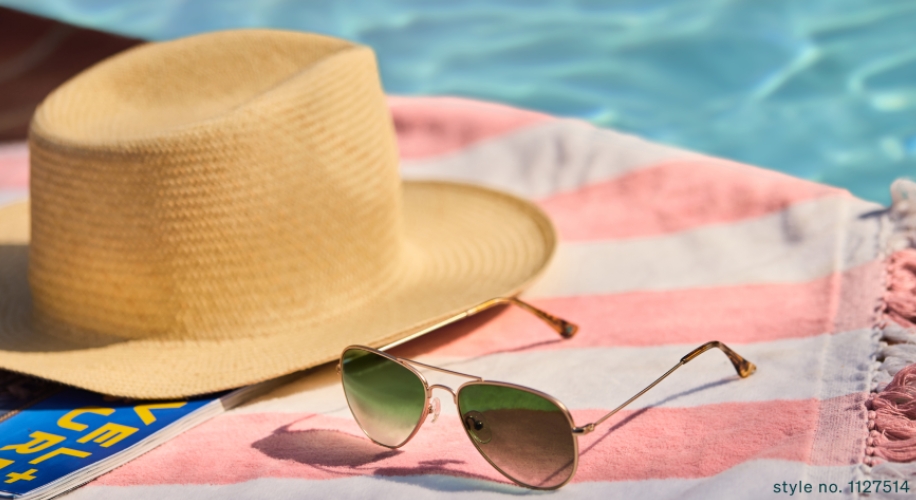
{"type": "Point", "coordinates": [55, 438]}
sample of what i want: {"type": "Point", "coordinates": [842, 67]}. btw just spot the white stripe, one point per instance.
{"type": "Point", "coordinates": [804, 242]}
{"type": "Point", "coordinates": [14, 151]}
{"type": "Point", "coordinates": [750, 480]}
{"type": "Point", "coordinates": [537, 161]}
{"type": "Point", "coordinates": [603, 377]}
{"type": "Point", "coordinates": [9, 196]}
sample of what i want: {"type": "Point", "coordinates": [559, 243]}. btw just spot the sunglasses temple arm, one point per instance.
{"type": "Point", "coordinates": [565, 328]}
{"type": "Point", "coordinates": [744, 368]}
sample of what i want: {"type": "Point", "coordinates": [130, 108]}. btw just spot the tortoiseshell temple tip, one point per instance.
{"type": "Point", "coordinates": [567, 330]}
{"type": "Point", "coordinates": [746, 369]}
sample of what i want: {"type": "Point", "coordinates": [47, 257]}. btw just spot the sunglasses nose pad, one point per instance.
{"type": "Point", "coordinates": [477, 427]}
{"type": "Point", "coordinates": [434, 408]}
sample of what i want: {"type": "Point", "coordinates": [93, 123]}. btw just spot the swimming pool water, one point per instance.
{"type": "Point", "coordinates": [822, 89]}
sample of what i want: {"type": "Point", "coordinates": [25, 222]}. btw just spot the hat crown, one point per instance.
{"type": "Point", "coordinates": [225, 185]}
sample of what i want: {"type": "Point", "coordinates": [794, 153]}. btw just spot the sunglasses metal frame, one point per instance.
{"type": "Point", "coordinates": [566, 329]}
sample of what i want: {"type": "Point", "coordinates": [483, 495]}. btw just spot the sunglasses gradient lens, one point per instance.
{"type": "Point", "coordinates": [387, 399]}
{"type": "Point", "coordinates": [524, 435]}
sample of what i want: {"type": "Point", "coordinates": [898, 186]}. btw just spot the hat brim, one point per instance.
{"type": "Point", "coordinates": [466, 245]}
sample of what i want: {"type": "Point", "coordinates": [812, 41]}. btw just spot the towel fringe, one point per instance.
{"type": "Point", "coordinates": [891, 441]}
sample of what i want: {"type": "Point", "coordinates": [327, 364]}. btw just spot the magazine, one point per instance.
{"type": "Point", "coordinates": [54, 438]}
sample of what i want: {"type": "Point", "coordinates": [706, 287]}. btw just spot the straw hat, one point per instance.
{"type": "Point", "coordinates": [223, 209]}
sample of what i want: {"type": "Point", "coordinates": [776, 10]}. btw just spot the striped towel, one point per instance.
{"type": "Point", "coordinates": [660, 250]}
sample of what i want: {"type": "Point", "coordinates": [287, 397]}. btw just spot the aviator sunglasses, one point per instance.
{"type": "Point", "coordinates": [528, 436]}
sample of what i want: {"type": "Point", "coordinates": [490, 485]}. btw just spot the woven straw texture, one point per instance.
{"type": "Point", "coordinates": [224, 209]}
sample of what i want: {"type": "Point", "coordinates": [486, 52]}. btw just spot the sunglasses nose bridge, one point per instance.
{"type": "Point", "coordinates": [445, 388]}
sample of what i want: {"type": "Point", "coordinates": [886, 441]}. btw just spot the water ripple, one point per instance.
{"type": "Point", "coordinates": [822, 89]}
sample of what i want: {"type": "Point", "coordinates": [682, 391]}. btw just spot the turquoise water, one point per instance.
{"type": "Point", "coordinates": [824, 90]}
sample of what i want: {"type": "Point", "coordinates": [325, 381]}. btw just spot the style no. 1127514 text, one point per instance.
{"type": "Point", "coordinates": [868, 486]}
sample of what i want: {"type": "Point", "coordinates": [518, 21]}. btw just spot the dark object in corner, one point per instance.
{"type": "Point", "coordinates": [37, 55]}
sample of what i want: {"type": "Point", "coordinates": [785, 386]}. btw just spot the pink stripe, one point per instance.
{"type": "Point", "coordinates": [14, 166]}
{"type": "Point", "coordinates": [676, 196]}
{"type": "Point", "coordinates": [735, 314]}
{"type": "Point", "coordinates": [652, 443]}
{"type": "Point", "coordinates": [433, 126]}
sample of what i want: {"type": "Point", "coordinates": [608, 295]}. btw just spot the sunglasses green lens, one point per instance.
{"type": "Point", "coordinates": [524, 435]}
{"type": "Point", "coordinates": [387, 399]}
